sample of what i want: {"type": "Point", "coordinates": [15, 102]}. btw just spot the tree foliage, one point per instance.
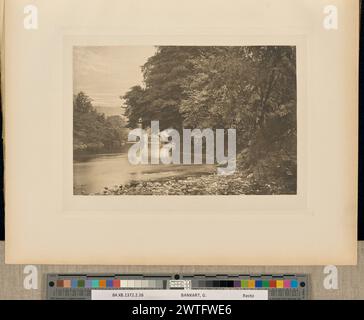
{"type": "Point", "coordinates": [251, 89]}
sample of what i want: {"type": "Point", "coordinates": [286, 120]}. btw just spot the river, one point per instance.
{"type": "Point", "coordinates": [92, 174]}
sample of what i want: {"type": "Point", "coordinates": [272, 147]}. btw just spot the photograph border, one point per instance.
{"type": "Point", "coordinates": [236, 204]}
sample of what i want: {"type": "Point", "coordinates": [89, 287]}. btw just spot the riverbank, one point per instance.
{"type": "Point", "coordinates": [93, 173]}
{"type": "Point", "coordinates": [211, 184]}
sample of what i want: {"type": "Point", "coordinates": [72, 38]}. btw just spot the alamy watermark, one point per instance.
{"type": "Point", "coordinates": [164, 147]}
{"type": "Point", "coordinates": [31, 17]}
{"type": "Point", "coordinates": [31, 278]}
{"type": "Point", "coordinates": [331, 20]}
{"type": "Point", "coordinates": [331, 280]}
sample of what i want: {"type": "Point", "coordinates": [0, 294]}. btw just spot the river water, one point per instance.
{"type": "Point", "coordinates": [92, 174]}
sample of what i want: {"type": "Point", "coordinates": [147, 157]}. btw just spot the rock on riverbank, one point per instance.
{"type": "Point", "coordinates": [212, 184]}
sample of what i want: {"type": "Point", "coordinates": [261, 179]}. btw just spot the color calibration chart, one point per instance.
{"type": "Point", "coordinates": [177, 287]}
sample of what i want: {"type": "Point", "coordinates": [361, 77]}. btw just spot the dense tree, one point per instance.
{"type": "Point", "coordinates": [165, 74]}
{"type": "Point", "coordinates": [252, 89]}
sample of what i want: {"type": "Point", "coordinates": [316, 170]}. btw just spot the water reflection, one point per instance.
{"type": "Point", "coordinates": [92, 173]}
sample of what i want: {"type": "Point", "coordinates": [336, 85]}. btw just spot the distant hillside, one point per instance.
{"type": "Point", "coordinates": [96, 133]}
{"type": "Point", "coordinates": [110, 111]}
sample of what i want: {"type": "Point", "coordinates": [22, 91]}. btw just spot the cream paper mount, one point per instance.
{"type": "Point", "coordinates": [57, 210]}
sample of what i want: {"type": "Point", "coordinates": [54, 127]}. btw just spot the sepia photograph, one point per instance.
{"type": "Point", "coordinates": [184, 120]}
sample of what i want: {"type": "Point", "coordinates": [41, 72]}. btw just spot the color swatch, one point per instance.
{"type": "Point", "coordinates": [278, 287]}
{"type": "Point", "coordinates": [246, 284]}
{"type": "Point", "coordinates": [142, 284]}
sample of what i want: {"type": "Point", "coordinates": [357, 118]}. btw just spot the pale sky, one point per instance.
{"type": "Point", "coordinates": [107, 72]}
